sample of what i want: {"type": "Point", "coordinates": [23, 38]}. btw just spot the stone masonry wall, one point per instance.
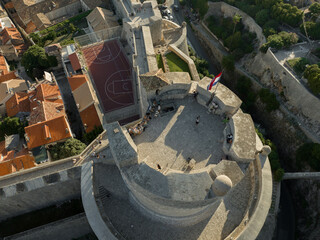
{"type": "Point", "coordinates": [272, 73]}
{"type": "Point", "coordinates": [222, 8]}
{"type": "Point", "coordinates": [39, 192]}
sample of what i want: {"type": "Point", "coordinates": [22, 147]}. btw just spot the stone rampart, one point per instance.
{"type": "Point", "coordinates": [148, 48]}
{"type": "Point", "coordinates": [90, 206]}
{"type": "Point", "coordinates": [39, 192]}
{"type": "Point", "coordinates": [222, 8]}
{"type": "Point", "coordinates": [272, 72]}
{"type": "Point", "coordinates": [66, 11]}
{"type": "Point", "coordinates": [188, 60]}
{"type": "Point", "coordinates": [120, 9]}
{"type": "Point", "coordinates": [65, 229]}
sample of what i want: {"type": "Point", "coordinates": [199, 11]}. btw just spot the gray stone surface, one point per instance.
{"type": "Point", "coordinates": [90, 206]}
{"type": "Point", "coordinates": [172, 138]}
{"type": "Point", "coordinates": [132, 224]}
{"type": "Point", "coordinates": [243, 147]}
{"type": "Point", "coordinates": [122, 147]}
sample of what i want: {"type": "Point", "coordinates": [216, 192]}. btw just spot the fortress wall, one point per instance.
{"type": "Point", "coordinates": [65, 229]}
{"type": "Point", "coordinates": [71, 9]}
{"type": "Point", "coordinates": [222, 8]}
{"type": "Point", "coordinates": [121, 10]}
{"type": "Point", "coordinates": [149, 51]}
{"type": "Point", "coordinates": [167, 210]}
{"type": "Point", "coordinates": [188, 60]}
{"type": "Point", "coordinates": [39, 192]}
{"type": "Point", "coordinates": [175, 91]}
{"type": "Point", "coordinates": [271, 71]}
{"type": "Point", "coordinates": [156, 29]}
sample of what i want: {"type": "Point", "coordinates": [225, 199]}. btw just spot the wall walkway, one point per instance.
{"type": "Point", "coordinates": [90, 206]}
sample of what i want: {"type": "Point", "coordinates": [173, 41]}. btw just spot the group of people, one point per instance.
{"type": "Point", "coordinates": [154, 109]}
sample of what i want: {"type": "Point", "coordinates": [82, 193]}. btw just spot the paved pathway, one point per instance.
{"type": "Point", "coordinates": [301, 175]}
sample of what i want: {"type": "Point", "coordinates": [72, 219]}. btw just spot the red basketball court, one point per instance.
{"type": "Point", "coordinates": [112, 74]}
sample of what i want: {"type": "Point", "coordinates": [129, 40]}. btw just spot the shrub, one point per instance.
{"type": "Point", "coordinates": [315, 9]}
{"type": "Point", "coordinates": [280, 40]}
{"type": "Point", "coordinates": [11, 125]}
{"type": "Point", "coordinates": [286, 13]}
{"type": "Point", "coordinates": [312, 28]}
{"type": "Point", "coordinates": [309, 153]}
{"type": "Point", "coordinates": [278, 175]}
{"type": "Point", "coordinates": [312, 73]}
{"type": "Point", "coordinates": [89, 137]}
{"type": "Point", "coordinates": [262, 17]}
{"type": "Point", "coordinates": [246, 93]}
{"type": "Point", "coordinates": [228, 63]}
{"type": "Point", "coordinates": [269, 99]}
{"type": "Point", "coordinates": [298, 64]}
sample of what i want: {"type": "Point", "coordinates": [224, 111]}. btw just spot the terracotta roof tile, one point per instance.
{"type": "Point", "coordinates": [74, 61]}
{"type": "Point", "coordinates": [3, 66]}
{"type": "Point", "coordinates": [19, 102]}
{"type": "Point", "coordinates": [89, 117]}
{"type": "Point", "coordinates": [30, 27]}
{"type": "Point", "coordinates": [25, 102]}
{"type": "Point", "coordinates": [8, 76]}
{"type": "Point", "coordinates": [10, 34]}
{"type": "Point", "coordinates": [76, 81]}
{"type": "Point", "coordinates": [46, 111]}
{"type": "Point", "coordinates": [17, 164]}
{"type": "Point", "coordinates": [58, 128]}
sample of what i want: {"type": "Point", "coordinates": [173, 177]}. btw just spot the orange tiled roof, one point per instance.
{"type": "Point", "coordinates": [3, 150]}
{"type": "Point", "coordinates": [74, 61]}
{"type": "Point", "coordinates": [46, 111]}
{"type": "Point", "coordinates": [17, 164]}
{"type": "Point", "coordinates": [9, 34]}
{"type": "Point", "coordinates": [89, 117]}
{"type": "Point", "coordinates": [21, 48]}
{"type": "Point", "coordinates": [25, 102]}
{"type": "Point", "coordinates": [3, 66]}
{"type": "Point", "coordinates": [31, 27]}
{"type": "Point", "coordinates": [76, 81]}
{"type": "Point", "coordinates": [50, 131]}
{"type": "Point", "coordinates": [7, 76]}
{"type": "Point", "coordinates": [19, 102]}
{"type": "Point", "coordinates": [9, 5]}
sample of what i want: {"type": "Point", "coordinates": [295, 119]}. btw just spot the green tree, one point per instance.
{"type": "Point", "coordinates": [278, 175]}
{"type": "Point", "coordinates": [269, 99]}
{"type": "Point", "coordinates": [11, 125]}
{"type": "Point", "coordinates": [69, 148]}
{"type": "Point", "coordinates": [312, 73]}
{"type": "Point", "coordinates": [309, 153]}
{"type": "Point", "coordinates": [286, 13]}
{"type": "Point", "coordinates": [228, 63]}
{"type": "Point", "coordinates": [35, 57]}
{"type": "Point", "coordinates": [234, 41]}
{"type": "Point", "coordinates": [275, 41]}
{"type": "Point", "coordinates": [315, 9]}
{"type": "Point", "coordinates": [262, 17]}
{"type": "Point", "coordinates": [89, 137]}
{"type": "Point", "coordinates": [311, 29]}
{"type": "Point", "coordinates": [236, 19]}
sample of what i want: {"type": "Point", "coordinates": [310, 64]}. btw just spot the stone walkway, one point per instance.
{"type": "Point", "coordinates": [173, 137]}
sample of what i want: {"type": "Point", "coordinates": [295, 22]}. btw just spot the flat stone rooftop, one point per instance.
{"type": "Point", "coordinates": [173, 138]}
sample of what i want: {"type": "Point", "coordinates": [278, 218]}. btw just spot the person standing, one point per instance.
{"type": "Point", "coordinates": [197, 120]}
